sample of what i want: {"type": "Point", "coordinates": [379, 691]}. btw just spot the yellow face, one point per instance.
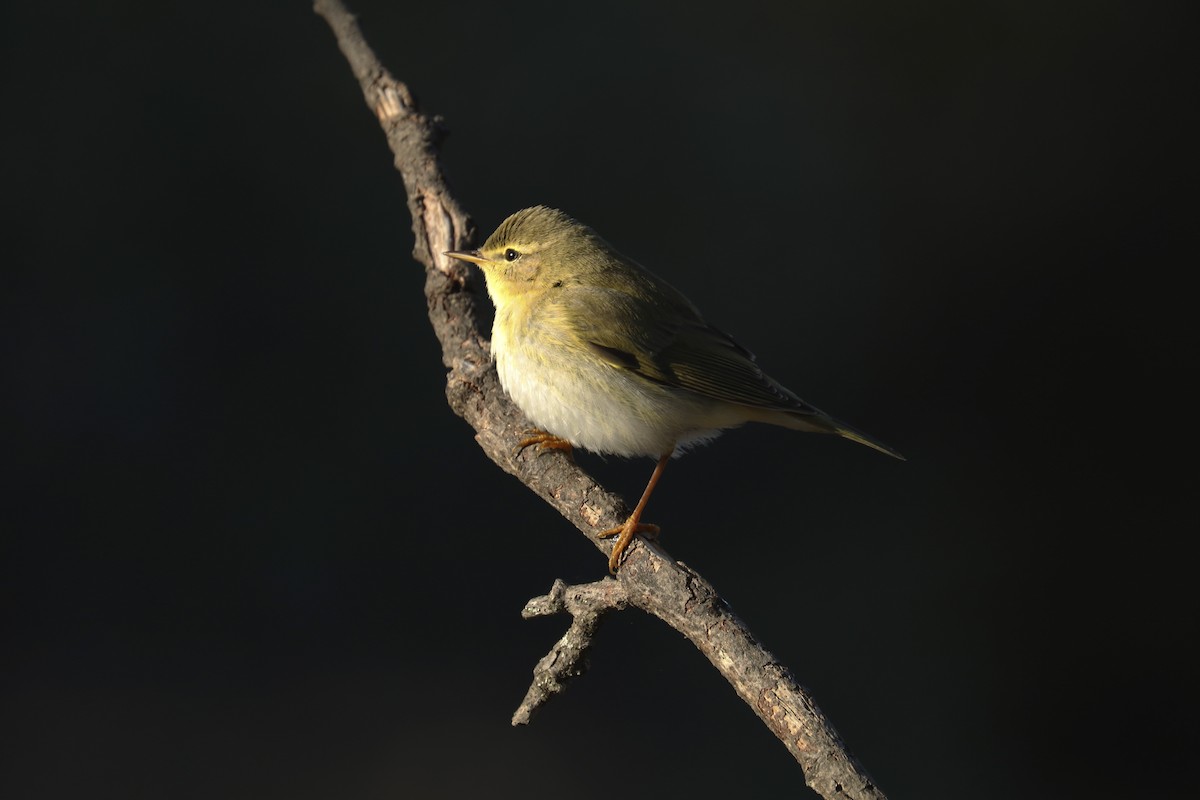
{"type": "Point", "coordinates": [530, 251]}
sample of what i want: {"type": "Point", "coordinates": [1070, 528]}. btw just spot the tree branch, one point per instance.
{"type": "Point", "coordinates": [568, 658]}
{"type": "Point", "coordinates": [649, 579]}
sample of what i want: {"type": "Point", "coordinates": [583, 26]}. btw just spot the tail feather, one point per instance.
{"type": "Point", "coordinates": [817, 421]}
{"type": "Point", "coordinates": [846, 432]}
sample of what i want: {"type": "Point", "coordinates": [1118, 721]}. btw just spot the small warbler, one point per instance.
{"type": "Point", "coordinates": [601, 354]}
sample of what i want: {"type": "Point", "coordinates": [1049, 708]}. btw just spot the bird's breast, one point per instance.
{"type": "Point", "coordinates": [566, 390]}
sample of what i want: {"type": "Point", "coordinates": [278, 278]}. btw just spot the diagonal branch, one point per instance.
{"type": "Point", "coordinates": [649, 579]}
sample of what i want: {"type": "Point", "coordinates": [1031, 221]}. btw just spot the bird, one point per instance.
{"type": "Point", "coordinates": [604, 355]}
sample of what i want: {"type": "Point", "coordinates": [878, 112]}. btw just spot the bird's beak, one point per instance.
{"type": "Point", "coordinates": [466, 255]}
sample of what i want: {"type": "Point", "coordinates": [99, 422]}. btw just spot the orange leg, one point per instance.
{"type": "Point", "coordinates": [634, 525]}
{"type": "Point", "coordinates": [543, 441]}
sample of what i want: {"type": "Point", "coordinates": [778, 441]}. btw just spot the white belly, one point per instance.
{"type": "Point", "coordinates": [603, 408]}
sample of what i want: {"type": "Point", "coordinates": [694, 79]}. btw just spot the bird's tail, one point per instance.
{"type": "Point", "coordinates": [815, 421]}
{"type": "Point", "coordinates": [846, 432]}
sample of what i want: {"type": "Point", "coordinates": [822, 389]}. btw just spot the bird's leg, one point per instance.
{"type": "Point", "coordinates": [634, 525]}
{"type": "Point", "coordinates": [543, 441]}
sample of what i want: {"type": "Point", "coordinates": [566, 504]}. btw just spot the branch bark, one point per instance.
{"type": "Point", "coordinates": [649, 578]}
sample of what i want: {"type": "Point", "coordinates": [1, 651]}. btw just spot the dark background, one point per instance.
{"type": "Point", "coordinates": [249, 552]}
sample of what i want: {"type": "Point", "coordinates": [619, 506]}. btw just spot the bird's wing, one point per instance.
{"type": "Point", "coordinates": [671, 344]}
{"type": "Point", "coordinates": [708, 361]}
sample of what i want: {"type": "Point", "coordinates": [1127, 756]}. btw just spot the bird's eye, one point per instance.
{"type": "Point", "coordinates": [511, 255]}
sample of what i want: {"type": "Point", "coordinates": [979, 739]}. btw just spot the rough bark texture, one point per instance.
{"type": "Point", "coordinates": [649, 579]}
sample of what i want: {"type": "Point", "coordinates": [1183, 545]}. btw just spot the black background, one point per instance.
{"type": "Point", "coordinates": [249, 552]}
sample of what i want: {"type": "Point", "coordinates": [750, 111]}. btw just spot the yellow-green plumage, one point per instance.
{"type": "Point", "coordinates": [598, 351]}
{"type": "Point", "coordinates": [604, 355]}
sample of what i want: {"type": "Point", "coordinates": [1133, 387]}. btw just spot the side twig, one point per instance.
{"type": "Point", "coordinates": [587, 605]}
{"type": "Point", "coordinates": [649, 578]}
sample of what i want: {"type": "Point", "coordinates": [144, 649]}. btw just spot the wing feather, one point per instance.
{"type": "Point", "coordinates": [669, 343]}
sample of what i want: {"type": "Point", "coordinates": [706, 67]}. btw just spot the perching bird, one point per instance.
{"type": "Point", "coordinates": [601, 354]}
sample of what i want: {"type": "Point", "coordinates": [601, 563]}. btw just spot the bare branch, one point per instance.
{"type": "Point", "coordinates": [587, 604]}
{"type": "Point", "coordinates": [649, 579]}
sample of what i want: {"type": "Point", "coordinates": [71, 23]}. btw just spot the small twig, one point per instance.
{"type": "Point", "coordinates": [649, 579]}
{"type": "Point", "coordinates": [587, 604]}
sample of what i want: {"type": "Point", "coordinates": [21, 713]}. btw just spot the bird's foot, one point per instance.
{"type": "Point", "coordinates": [625, 534]}
{"type": "Point", "coordinates": [543, 442]}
